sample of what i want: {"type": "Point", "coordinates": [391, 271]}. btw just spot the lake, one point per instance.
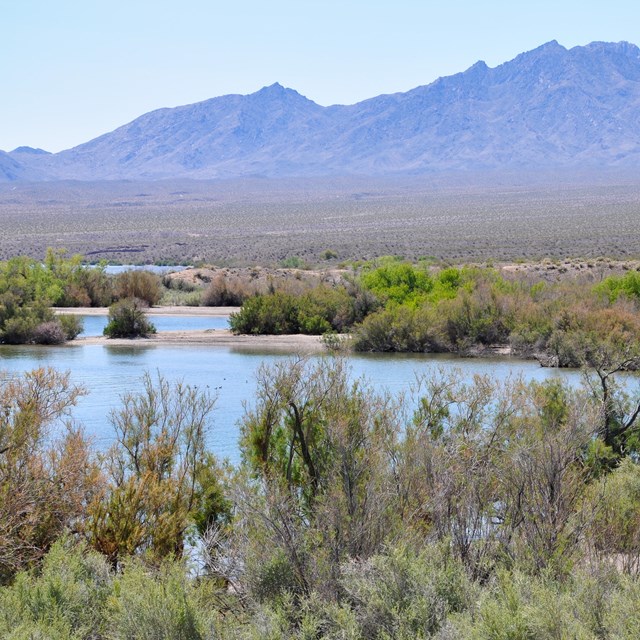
{"type": "Point", "coordinates": [107, 372]}
{"type": "Point", "coordinates": [93, 325]}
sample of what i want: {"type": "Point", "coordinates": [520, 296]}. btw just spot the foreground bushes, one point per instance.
{"type": "Point", "coordinates": [400, 594]}
{"type": "Point", "coordinates": [76, 596]}
{"type": "Point", "coordinates": [465, 510]}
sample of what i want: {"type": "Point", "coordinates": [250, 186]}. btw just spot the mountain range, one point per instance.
{"type": "Point", "coordinates": [550, 107]}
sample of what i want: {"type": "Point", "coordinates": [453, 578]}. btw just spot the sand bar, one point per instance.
{"type": "Point", "coordinates": [214, 338]}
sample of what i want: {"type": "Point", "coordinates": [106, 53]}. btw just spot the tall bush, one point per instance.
{"type": "Point", "coordinates": [128, 320]}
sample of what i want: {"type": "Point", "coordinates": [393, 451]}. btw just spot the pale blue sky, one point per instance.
{"type": "Point", "coordinates": [74, 69]}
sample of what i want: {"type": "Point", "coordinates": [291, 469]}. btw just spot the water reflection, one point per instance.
{"type": "Point", "coordinates": [109, 371]}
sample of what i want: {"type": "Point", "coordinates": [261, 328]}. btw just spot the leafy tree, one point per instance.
{"type": "Point", "coordinates": [316, 444]}
{"type": "Point", "coordinates": [27, 290]}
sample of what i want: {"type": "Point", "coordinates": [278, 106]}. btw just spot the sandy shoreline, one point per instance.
{"type": "Point", "coordinates": [208, 337]}
{"type": "Point", "coordinates": [213, 338]}
{"type": "Point", "coordinates": [212, 312]}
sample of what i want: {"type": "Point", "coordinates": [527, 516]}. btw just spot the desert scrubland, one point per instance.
{"type": "Point", "coordinates": [261, 222]}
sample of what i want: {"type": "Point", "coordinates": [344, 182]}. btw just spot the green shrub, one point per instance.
{"type": "Point", "coordinates": [65, 601]}
{"type": "Point", "coordinates": [293, 262]}
{"type": "Point", "coordinates": [143, 285]}
{"type": "Point", "coordinates": [398, 282]}
{"type": "Point", "coordinates": [406, 595]}
{"type": "Point", "coordinates": [615, 286]}
{"type": "Point", "coordinates": [127, 320]}
{"type": "Point", "coordinates": [401, 328]}
{"type": "Point", "coordinates": [275, 314]}
{"type": "Point", "coordinates": [71, 325]}
{"type": "Point", "coordinates": [20, 328]}
{"type": "Point", "coordinates": [160, 605]}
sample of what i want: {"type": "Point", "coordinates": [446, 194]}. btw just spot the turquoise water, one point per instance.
{"type": "Point", "coordinates": [107, 372]}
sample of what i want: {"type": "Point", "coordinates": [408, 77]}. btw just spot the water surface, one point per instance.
{"type": "Point", "coordinates": [108, 372]}
{"type": "Point", "coordinates": [93, 325]}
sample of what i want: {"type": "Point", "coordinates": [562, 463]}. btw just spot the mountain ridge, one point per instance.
{"type": "Point", "coordinates": [548, 107]}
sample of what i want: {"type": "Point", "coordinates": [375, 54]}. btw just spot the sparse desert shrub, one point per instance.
{"type": "Point", "coordinates": [128, 320]}
{"type": "Point", "coordinates": [226, 292]}
{"type": "Point", "coordinates": [181, 298]}
{"type": "Point", "coordinates": [329, 254]}
{"type": "Point", "coordinates": [143, 285]}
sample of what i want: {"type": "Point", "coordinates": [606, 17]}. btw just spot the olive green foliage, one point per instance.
{"type": "Point", "coordinates": [320, 310]}
{"type": "Point", "coordinates": [80, 285]}
{"type": "Point", "coordinates": [128, 320]}
{"type": "Point", "coordinates": [396, 306]}
{"type": "Point", "coordinates": [317, 442]}
{"type": "Point", "coordinates": [77, 596]}
{"type": "Point", "coordinates": [26, 291]}
{"type": "Point", "coordinates": [225, 292]}
{"type": "Point", "coordinates": [157, 604]}
{"type": "Point", "coordinates": [565, 324]}
{"type": "Point", "coordinates": [65, 600]}
{"type": "Point", "coordinates": [71, 325]}
{"type": "Point", "coordinates": [158, 478]}
{"type": "Point", "coordinates": [47, 471]}
{"type": "Point", "coordinates": [139, 284]}
{"type": "Point", "coordinates": [615, 500]}
{"type": "Point", "coordinates": [293, 262]}
{"type": "Point", "coordinates": [29, 288]}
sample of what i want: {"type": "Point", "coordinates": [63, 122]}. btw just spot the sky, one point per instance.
{"type": "Point", "coordinates": [71, 70]}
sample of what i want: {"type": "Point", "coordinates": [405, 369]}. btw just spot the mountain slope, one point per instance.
{"type": "Point", "coordinates": [550, 107]}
